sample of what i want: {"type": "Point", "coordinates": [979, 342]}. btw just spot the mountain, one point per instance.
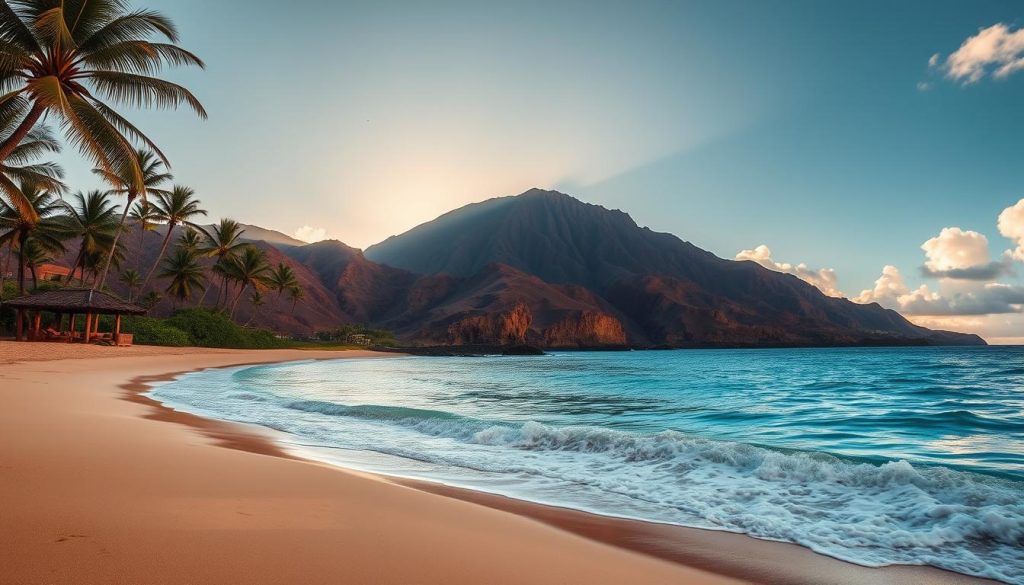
{"type": "Point", "coordinates": [255, 233]}
{"type": "Point", "coordinates": [546, 269]}
{"type": "Point", "coordinates": [664, 291]}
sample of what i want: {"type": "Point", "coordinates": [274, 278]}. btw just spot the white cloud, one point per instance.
{"type": "Point", "coordinates": [825, 278]}
{"type": "Point", "coordinates": [990, 298]}
{"type": "Point", "coordinates": [1011, 226]}
{"type": "Point", "coordinates": [923, 86]}
{"type": "Point", "coordinates": [888, 288]}
{"type": "Point", "coordinates": [996, 329]}
{"type": "Point", "coordinates": [960, 254]}
{"type": "Point", "coordinates": [955, 248]}
{"type": "Point", "coordinates": [995, 50]}
{"type": "Point", "coordinates": [310, 234]}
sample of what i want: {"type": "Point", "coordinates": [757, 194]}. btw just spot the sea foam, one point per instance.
{"type": "Point", "coordinates": [871, 513]}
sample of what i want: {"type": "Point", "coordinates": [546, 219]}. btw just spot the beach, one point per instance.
{"type": "Point", "coordinates": [100, 484]}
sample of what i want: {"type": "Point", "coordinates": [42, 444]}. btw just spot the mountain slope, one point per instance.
{"type": "Point", "coordinates": [676, 293]}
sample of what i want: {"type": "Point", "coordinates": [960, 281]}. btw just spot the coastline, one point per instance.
{"type": "Point", "coordinates": [101, 494]}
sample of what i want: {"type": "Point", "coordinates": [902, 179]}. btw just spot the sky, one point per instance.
{"type": "Point", "coordinates": [868, 147]}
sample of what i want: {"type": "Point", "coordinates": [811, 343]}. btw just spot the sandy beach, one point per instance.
{"type": "Point", "coordinates": [101, 485]}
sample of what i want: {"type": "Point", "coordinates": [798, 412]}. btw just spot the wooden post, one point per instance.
{"type": "Point", "coordinates": [117, 329]}
{"type": "Point", "coordinates": [71, 325]}
{"type": "Point", "coordinates": [96, 326]}
{"type": "Point", "coordinates": [19, 324]}
{"type": "Point", "coordinates": [36, 324]}
{"type": "Point", "coordinates": [88, 328]}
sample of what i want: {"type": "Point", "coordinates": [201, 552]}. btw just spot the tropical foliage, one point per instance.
{"type": "Point", "coordinates": [71, 65]}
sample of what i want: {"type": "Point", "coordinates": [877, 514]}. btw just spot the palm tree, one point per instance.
{"type": "Point", "coordinates": [151, 299]}
{"type": "Point", "coordinates": [132, 279]}
{"type": "Point", "coordinates": [35, 256]}
{"type": "Point", "coordinates": [185, 272]}
{"type": "Point", "coordinates": [190, 240]}
{"type": "Point", "coordinates": [154, 175]}
{"type": "Point", "coordinates": [224, 241]}
{"type": "Point", "coordinates": [38, 215]}
{"type": "Point", "coordinates": [178, 207]}
{"type": "Point", "coordinates": [144, 216]}
{"type": "Point", "coordinates": [93, 218]}
{"type": "Point", "coordinates": [296, 294]}
{"type": "Point", "coordinates": [282, 278]}
{"type": "Point", "coordinates": [60, 57]}
{"type": "Point", "coordinates": [256, 299]}
{"type": "Point", "coordinates": [248, 269]}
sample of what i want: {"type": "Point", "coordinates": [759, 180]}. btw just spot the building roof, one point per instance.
{"type": "Point", "coordinates": [76, 300]}
{"type": "Point", "coordinates": [53, 269]}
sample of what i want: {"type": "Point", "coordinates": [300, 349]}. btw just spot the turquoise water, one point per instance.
{"type": "Point", "coordinates": [876, 456]}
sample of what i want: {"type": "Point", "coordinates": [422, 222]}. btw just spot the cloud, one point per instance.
{"type": "Point", "coordinates": [891, 291]}
{"type": "Point", "coordinates": [923, 86]}
{"type": "Point", "coordinates": [996, 51]}
{"type": "Point", "coordinates": [996, 329]}
{"type": "Point", "coordinates": [310, 234]}
{"type": "Point", "coordinates": [960, 254]}
{"type": "Point", "coordinates": [888, 289]}
{"type": "Point", "coordinates": [1011, 226]}
{"type": "Point", "coordinates": [955, 248]}
{"type": "Point", "coordinates": [825, 278]}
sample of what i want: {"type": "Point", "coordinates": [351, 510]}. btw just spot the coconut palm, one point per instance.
{"type": "Point", "coordinates": [224, 241]}
{"type": "Point", "coordinates": [257, 301]}
{"type": "Point", "coordinates": [131, 279]}
{"type": "Point", "coordinates": [93, 219]}
{"type": "Point", "coordinates": [63, 58]}
{"type": "Point", "coordinates": [151, 299]}
{"type": "Point", "coordinates": [154, 176]}
{"type": "Point", "coordinates": [178, 207]}
{"type": "Point", "coordinates": [282, 278]}
{"type": "Point", "coordinates": [191, 240]}
{"type": "Point", "coordinates": [37, 215]}
{"type": "Point", "coordinates": [296, 294]}
{"type": "Point", "coordinates": [249, 268]}
{"type": "Point", "coordinates": [144, 216]}
{"type": "Point", "coordinates": [35, 256]}
{"type": "Point", "coordinates": [185, 272]}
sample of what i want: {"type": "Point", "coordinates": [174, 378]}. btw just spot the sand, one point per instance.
{"type": "Point", "coordinates": [98, 485]}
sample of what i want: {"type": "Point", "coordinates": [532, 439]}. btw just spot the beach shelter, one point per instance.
{"type": "Point", "coordinates": [73, 302]}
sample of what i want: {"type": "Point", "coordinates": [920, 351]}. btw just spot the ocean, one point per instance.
{"type": "Point", "coordinates": [875, 456]}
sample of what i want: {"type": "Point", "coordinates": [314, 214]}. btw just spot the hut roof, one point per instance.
{"type": "Point", "coordinates": [76, 300]}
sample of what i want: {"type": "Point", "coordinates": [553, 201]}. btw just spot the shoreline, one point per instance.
{"type": "Point", "coordinates": [660, 551]}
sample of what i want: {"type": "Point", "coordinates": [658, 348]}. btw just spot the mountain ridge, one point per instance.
{"type": "Point", "coordinates": [547, 269]}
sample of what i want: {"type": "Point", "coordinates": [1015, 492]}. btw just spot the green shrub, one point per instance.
{"type": "Point", "coordinates": [208, 328]}
{"type": "Point", "coordinates": [148, 331]}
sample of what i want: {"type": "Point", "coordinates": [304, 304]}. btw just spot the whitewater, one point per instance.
{"type": "Point", "coordinates": [875, 456]}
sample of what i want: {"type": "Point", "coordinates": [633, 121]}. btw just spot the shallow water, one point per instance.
{"type": "Point", "coordinates": [876, 456]}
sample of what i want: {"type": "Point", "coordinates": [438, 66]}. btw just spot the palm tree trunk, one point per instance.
{"type": "Point", "coordinates": [160, 255]}
{"type": "Point", "coordinates": [22, 131]}
{"type": "Point", "coordinates": [142, 246]}
{"type": "Point", "coordinates": [113, 247]}
{"type": "Point", "coordinates": [234, 303]}
{"type": "Point", "coordinates": [74, 267]}
{"type": "Point", "coordinates": [255, 311]}
{"type": "Point", "coordinates": [7, 264]}
{"type": "Point", "coordinates": [35, 277]}
{"type": "Point", "coordinates": [21, 264]}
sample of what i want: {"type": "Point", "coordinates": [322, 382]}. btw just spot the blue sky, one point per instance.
{"type": "Point", "coordinates": [815, 128]}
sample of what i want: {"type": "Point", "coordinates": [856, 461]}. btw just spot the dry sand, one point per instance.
{"type": "Point", "coordinates": [97, 488]}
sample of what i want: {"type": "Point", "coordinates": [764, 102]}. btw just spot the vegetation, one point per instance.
{"type": "Point", "coordinates": [208, 328]}
{"type": "Point", "coordinates": [358, 335]}
{"type": "Point", "coordinates": [69, 64]}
